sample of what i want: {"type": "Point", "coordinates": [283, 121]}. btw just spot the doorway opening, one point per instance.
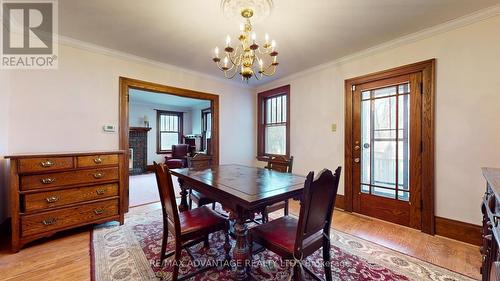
{"type": "Point", "coordinates": [389, 145]}
{"type": "Point", "coordinates": [165, 125]}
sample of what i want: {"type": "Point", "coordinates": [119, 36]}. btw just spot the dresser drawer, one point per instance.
{"type": "Point", "coordinates": [68, 178]}
{"type": "Point", "coordinates": [97, 160]}
{"type": "Point", "coordinates": [45, 164]}
{"type": "Point", "coordinates": [53, 220]}
{"type": "Point", "coordinates": [57, 198]}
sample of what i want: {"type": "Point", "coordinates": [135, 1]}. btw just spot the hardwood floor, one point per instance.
{"type": "Point", "coordinates": [67, 255]}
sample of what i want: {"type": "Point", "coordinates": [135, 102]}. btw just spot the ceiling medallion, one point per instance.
{"type": "Point", "coordinates": [247, 54]}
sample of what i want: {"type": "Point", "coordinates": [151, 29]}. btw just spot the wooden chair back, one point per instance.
{"type": "Point", "coordinates": [317, 205]}
{"type": "Point", "coordinates": [200, 161]}
{"type": "Point", "coordinates": [280, 164]}
{"type": "Point", "coordinates": [167, 196]}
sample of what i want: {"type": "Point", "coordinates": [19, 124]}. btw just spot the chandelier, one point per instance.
{"type": "Point", "coordinates": [247, 58]}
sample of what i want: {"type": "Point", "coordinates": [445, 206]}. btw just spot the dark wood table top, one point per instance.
{"type": "Point", "coordinates": [249, 187]}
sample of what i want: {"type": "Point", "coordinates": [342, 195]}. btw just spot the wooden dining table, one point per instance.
{"type": "Point", "coordinates": [242, 191]}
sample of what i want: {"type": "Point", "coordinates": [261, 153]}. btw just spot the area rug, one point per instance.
{"type": "Point", "coordinates": [131, 252]}
{"type": "Point", "coordinates": [144, 190]}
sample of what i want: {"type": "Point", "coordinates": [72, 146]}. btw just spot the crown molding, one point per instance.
{"type": "Point", "coordinates": [82, 45]}
{"type": "Point", "coordinates": [407, 39]}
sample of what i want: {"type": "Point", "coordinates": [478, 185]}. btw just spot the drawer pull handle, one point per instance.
{"type": "Point", "coordinates": [99, 211]}
{"type": "Point", "coordinates": [52, 199]}
{"type": "Point", "coordinates": [100, 191]}
{"type": "Point", "coordinates": [49, 221]}
{"type": "Point", "coordinates": [98, 160]}
{"type": "Point", "coordinates": [47, 164]}
{"type": "Point", "coordinates": [98, 175]}
{"type": "Point", "coordinates": [48, 180]}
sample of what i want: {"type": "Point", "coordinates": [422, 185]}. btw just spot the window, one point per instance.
{"type": "Point", "coordinates": [169, 130]}
{"type": "Point", "coordinates": [274, 127]}
{"type": "Point", "coordinates": [206, 130]}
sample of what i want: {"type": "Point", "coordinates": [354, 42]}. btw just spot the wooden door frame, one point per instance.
{"type": "Point", "coordinates": [427, 68]}
{"type": "Point", "coordinates": [128, 83]}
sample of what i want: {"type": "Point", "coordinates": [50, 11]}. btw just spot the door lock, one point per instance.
{"type": "Point", "coordinates": [356, 160]}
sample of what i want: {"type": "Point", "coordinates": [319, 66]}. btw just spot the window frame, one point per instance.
{"type": "Point", "coordinates": [261, 113]}
{"type": "Point", "coordinates": [204, 125]}
{"type": "Point", "coordinates": [160, 113]}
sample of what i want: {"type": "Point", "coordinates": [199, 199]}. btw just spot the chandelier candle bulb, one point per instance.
{"type": "Point", "coordinates": [216, 52]}
{"type": "Point", "coordinates": [228, 41]}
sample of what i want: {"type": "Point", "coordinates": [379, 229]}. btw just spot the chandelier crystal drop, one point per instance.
{"type": "Point", "coordinates": [247, 58]}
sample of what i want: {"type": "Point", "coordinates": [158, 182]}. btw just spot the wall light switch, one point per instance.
{"type": "Point", "coordinates": [334, 127]}
{"type": "Point", "coordinates": [109, 128]}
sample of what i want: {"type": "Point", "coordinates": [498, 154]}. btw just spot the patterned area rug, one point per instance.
{"type": "Point", "coordinates": [131, 252]}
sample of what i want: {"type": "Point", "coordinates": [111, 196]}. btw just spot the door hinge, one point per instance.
{"type": "Point", "coordinates": [353, 88]}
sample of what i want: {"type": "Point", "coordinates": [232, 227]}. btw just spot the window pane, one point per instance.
{"type": "Point", "coordinates": [384, 163]}
{"type": "Point", "coordinates": [384, 118]}
{"type": "Point", "coordinates": [284, 108]}
{"type": "Point", "coordinates": [365, 188]}
{"type": "Point", "coordinates": [278, 110]}
{"type": "Point", "coordinates": [168, 139]}
{"type": "Point", "coordinates": [273, 110]}
{"type": "Point", "coordinates": [275, 140]}
{"type": "Point", "coordinates": [268, 111]}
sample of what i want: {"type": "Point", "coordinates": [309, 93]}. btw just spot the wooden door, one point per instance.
{"type": "Point", "coordinates": [386, 134]}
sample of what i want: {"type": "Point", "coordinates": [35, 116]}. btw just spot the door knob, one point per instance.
{"type": "Point", "coordinates": [356, 160]}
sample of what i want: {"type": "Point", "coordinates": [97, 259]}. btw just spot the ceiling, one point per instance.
{"type": "Point", "coordinates": [145, 97]}
{"type": "Point", "coordinates": [308, 33]}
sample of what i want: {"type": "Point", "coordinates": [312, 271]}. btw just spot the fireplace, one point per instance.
{"type": "Point", "coordinates": [138, 145]}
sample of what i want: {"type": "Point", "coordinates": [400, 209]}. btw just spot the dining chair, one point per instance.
{"type": "Point", "coordinates": [188, 228]}
{"type": "Point", "coordinates": [280, 164]}
{"type": "Point", "coordinates": [199, 161]}
{"type": "Point", "coordinates": [295, 239]}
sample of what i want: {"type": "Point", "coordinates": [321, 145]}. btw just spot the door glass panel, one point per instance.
{"type": "Point", "coordinates": [365, 145]}
{"type": "Point", "coordinates": [385, 160]}
{"type": "Point", "coordinates": [404, 142]}
{"type": "Point", "coordinates": [390, 193]}
{"type": "Point", "coordinates": [384, 92]}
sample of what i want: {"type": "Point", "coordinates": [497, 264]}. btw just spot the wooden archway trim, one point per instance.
{"type": "Point", "coordinates": [129, 83]}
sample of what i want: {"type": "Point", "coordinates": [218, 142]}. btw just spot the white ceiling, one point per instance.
{"type": "Point", "coordinates": [145, 97]}
{"type": "Point", "coordinates": [308, 33]}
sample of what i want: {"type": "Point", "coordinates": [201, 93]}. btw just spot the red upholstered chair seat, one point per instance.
{"type": "Point", "coordinates": [281, 233]}
{"type": "Point", "coordinates": [199, 218]}
{"type": "Point", "coordinates": [174, 163]}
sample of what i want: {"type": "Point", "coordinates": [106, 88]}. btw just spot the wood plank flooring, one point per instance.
{"type": "Point", "coordinates": [66, 256]}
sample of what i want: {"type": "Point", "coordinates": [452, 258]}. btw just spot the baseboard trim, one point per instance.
{"type": "Point", "coordinates": [340, 202]}
{"type": "Point", "coordinates": [461, 231]}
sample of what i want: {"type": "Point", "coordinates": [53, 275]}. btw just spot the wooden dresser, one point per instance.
{"type": "Point", "coordinates": [490, 208]}
{"type": "Point", "coordinates": [54, 192]}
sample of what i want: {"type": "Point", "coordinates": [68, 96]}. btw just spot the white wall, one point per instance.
{"type": "Point", "coordinates": [136, 119]}
{"type": "Point", "coordinates": [65, 109]}
{"type": "Point", "coordinates": [4, 128]}
{"type": "Point", "coordinates": [467, 111]}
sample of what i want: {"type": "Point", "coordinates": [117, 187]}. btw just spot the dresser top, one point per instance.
{"type": "Point", "coordinates": [492, 176]}
{"type": "Point", "coordinates": [62, 154]}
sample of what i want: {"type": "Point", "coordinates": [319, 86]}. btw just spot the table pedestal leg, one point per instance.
{"type": "Point", "coordinates": [241, 249]}
{"type": "Point", "coordinates": [183, 206]}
